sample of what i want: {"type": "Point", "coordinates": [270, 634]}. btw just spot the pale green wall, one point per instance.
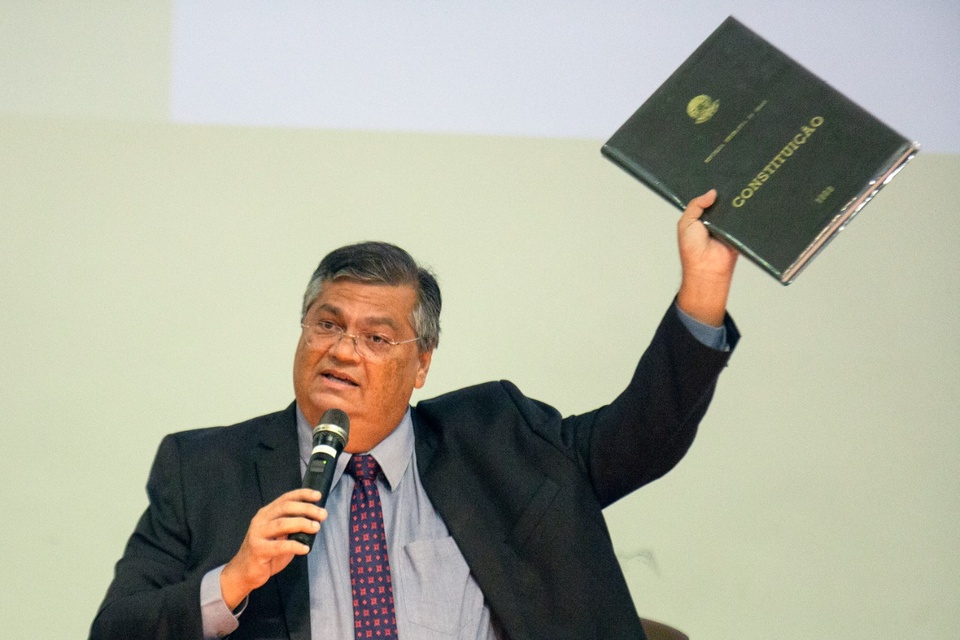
{"type": "Point", "coordinates": [151, 280]}
{"type": "Point", "coordinates": [94, 58]}
{"type": "Point", "coordinates": [151, 277]}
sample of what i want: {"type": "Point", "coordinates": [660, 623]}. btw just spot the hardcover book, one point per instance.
{"type": "Point", "coordinates": [792, 159]}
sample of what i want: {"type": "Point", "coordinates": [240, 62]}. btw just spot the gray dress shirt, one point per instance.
{"type": "Point", "coordinates": [435, 595]}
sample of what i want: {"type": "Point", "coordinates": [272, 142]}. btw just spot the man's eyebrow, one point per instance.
{"type": "Point", "coordinates": [329, 308]}
{"type": "Point", "coordinates": [376, 321]}
{"type": "Point", "coordinates": [380, 321]}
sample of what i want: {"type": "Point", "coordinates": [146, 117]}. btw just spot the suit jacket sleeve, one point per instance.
{"type": "Point", "coordinates": [204, 488]}
{"type": "Point", "coordinates": [533, 531]}
{"type": "Point", "coordinates": [649, 427]}
{"type": "Point", "coordinates": [155, 592]}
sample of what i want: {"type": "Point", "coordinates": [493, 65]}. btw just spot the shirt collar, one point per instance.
{"type": "Point", "coordinates": [393, 454]}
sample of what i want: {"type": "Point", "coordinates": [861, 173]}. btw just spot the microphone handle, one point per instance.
{"type": "Point", "coordinates": [319, 476]}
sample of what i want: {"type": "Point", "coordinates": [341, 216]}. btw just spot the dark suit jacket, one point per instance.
{"type": "Point", "coordinates": [520, 488]}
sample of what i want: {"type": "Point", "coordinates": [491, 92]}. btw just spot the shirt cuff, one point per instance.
{"type": "Point", "coordinates": [712, 337]}
{"type": "Point", "coordinates": [218, 620]}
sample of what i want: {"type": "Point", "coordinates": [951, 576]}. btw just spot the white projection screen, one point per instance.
{"type": "Point", "coordinates": [171, 173]}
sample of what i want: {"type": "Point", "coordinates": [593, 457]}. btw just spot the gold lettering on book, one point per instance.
{"type": "Point", "coordinates": [714, 153]}
{"type": "Point", "coordinates": [820, 199]}
{"type": "Point", "coordinates": [778, 161]}
{"type": "Point", "coordinates": [732, 134]}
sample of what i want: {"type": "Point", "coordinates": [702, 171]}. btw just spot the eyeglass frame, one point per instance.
{"type": "Point", "coordinates": [340, 332]}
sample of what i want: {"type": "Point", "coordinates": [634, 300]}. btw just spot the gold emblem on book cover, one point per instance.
{"type": "Point", "coordinates": [702, 108]}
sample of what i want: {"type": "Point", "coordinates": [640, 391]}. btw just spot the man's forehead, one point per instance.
{"type": "Point", "coordinates": [347, 297]}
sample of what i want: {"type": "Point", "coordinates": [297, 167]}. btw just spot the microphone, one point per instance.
{"type": "Point", "coordinates": [329, 439]}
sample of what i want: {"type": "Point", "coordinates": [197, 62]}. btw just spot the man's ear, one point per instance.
{"type": "Point", "coordinates": [422, 368]}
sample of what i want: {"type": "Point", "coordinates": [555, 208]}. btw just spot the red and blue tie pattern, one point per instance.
{"type": "Point", "coordinates": [374, 615]}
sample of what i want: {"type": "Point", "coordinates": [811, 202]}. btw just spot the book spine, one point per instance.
{"type": "Point", "coordinates": [644, 176]}
{"type": "Point", "coordinates": [728, 238]}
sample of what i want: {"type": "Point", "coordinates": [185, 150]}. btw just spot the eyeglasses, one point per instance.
{"type": "Point", "coordinates": [368, 345]}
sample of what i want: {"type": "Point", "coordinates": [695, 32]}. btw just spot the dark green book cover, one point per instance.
{"type": "Point", "coordinates": [792, 159]}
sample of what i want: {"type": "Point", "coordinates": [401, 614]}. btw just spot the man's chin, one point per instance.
{"type": "Point", "coordinates": [320, 403]}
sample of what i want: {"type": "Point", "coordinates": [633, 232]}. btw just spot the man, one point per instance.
{"type": "Point", "coordinates": [491, 502]}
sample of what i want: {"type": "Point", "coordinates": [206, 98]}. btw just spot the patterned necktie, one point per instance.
{"type": "Point", "coordinates": [374, 615]}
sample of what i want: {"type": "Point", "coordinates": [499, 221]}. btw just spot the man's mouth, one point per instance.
{"type": "Point", "coordinates": [339, 378]}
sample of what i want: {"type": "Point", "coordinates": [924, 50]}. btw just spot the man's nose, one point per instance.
{"type": "Point", "coordinates": [345, 348]}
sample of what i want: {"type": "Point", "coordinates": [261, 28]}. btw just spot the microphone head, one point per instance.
{"type": "Point", "coordinates": [336, 423]}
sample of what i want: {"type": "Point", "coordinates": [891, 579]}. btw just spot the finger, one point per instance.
{"type": "Point", "coordinates": [264, 552]}
{"type": "Point", "coordinates": [283, 527]}
{"type": "Point", "coordinates": [696, 206]}
{"type": "Point", "coordinates": [299, 509]}
{"type": "Point", "coordinates": [705, 200]}
{"type": "Point", "coordinates": [300, 495]}
{"type": "Point", "coordinates": [292, 546]}
{"type": "Point", "coordinates": [298, 502]}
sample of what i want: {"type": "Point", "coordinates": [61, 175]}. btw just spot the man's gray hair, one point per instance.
{"type": "Point", "coordinates": [381, 263]}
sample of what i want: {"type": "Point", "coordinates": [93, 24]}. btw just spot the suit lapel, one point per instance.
{"type": "Point", "coordinates": [278, 471]}
{"type": "Point", "coordinates": [437, 466]}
